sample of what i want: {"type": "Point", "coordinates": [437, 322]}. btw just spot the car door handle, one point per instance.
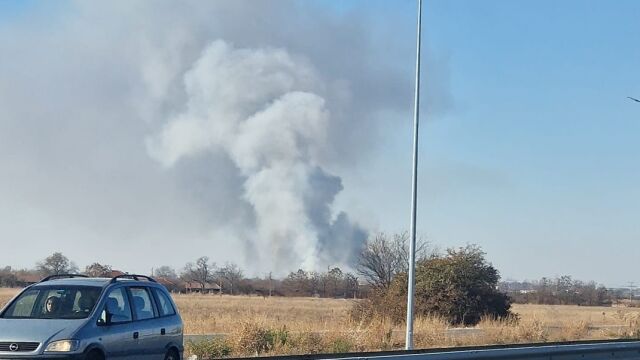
{"type": "Point", "coordinates": [136, 335]}
{"type": "Point", "coordinates": [163, 331]}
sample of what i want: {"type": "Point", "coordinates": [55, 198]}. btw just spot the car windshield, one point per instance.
{"type": "Point", "coordinates": [49, 302]}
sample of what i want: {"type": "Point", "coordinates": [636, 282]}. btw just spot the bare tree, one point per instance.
{"type": "Point", "coordinates": [297, 283]}
{"type": "Point", "coordinates": [8, 277]}
{"type": "Point", "coordinates": [351, 285]}
{"type": "Point", "coordinates": [424, 250]}
{"type": "Point", "coordinates": [201, 272]}
{"type": "Point", "coordinates": [383, 257]}
{"type": "Point", "coordinates": [335, 279]}
{"type": "Point", "coordinates": [232, 274]}
{"type": "Point", "coordinates": [98, 270]}
{"type": "Point", "coordinates": [165, 272]}
{"type": "Point", "coordinates": [56, 264]}
{"type": "Point", "coordinates": [315, 283]}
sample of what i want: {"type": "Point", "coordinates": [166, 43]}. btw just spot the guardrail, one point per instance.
{"type": "Point", "coordinates": [589, 350]}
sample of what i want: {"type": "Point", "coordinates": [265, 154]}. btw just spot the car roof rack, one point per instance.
{"type": "Point", "coordinates": [62, 276]}
{"type": "Point", "coordinates": [132, 277]}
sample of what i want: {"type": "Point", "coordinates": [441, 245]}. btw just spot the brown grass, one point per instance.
{"type": "Point", "coordinates": [257, 325]}
{"type": "Point", "coordinates": [558, 315]}
{"type": "Point", "coordinates": [323, 325]}
{"type": "Point", "coordinates": [6, 295]}
{"type": "Point", "coordinates": [207, 314]}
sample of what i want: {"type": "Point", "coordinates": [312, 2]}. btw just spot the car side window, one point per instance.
{"type": "Point", "coordinates": [164, 304]}
{"type": "Point", "coordinates": [117, 304]}
{"type": "Point", "coordinates": [142, 303]}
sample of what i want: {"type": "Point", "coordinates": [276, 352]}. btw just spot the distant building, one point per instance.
{"type": "Point", "coordinates": [172, 285]}
{"type": "Point", "coordinates": [528, 291]}
{"type": "Point", "coordinates": [194, 287]}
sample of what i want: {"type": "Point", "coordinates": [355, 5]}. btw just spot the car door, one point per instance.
{"type": "Point", "coordinates": [117, 336]}
{"type": "Point", "coordinates": [168, 321]}
{"type": "Point", "coordinates": [148, 345]}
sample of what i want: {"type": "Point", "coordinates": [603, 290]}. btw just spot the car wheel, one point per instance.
{"type": "Point", "coordinates": [94, 355]}
{"type": "Point", "coordinates": [172, 355]}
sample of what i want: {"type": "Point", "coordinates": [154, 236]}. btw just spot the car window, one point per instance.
{"type": "Point", "coordinates": [164, 304]}
{"type": "Point", "coordinates": [142, 303]}
{"type": "Point", "coordinates": [23, 307]}
{"type": "Point", "coordinates": [54, 302]}
{"type": "Point", "coordinates": [117, 304]}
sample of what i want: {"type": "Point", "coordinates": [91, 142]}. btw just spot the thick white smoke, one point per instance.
{"type": "Point", "coordinates": [263, 108]}
{"type": "Point", "coordinates": [90, 89]}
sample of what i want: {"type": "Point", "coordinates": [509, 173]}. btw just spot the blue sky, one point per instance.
{"type": "Point", "coordinates": [536, 159]}
{"type": "Point", "coordinates": [530, 148]}
{"type": "Point", "coordinates": [540, 90]}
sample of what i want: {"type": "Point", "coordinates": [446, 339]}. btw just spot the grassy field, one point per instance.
{"type": "Point", "coordinates": [558, 315]}
{"type": "Point", "coordinates": [225, 314]}
{"type": "Point", "coordinates": [254, 325]}
{"type": "Point", "coordinates": [6, 295]}
{"type": "Point", "coordinates": [257, 325]}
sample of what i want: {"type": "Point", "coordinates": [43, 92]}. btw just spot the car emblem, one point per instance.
{"type": "Point", "coordinates": [14, 347]}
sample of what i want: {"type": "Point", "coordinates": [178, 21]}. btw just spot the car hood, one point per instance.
{"type": "Point", "coordinates": [38, 330]}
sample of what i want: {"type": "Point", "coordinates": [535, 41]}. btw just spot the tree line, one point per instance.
{"type": "Point", "coordinates": [562, 290]}
{"type": "Point", "coordinates": [458, 284]}
{"type": "Point", "coordinates": [203, 273]}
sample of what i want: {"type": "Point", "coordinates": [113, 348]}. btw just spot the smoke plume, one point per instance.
{"type": "Point", "coordinates": [264, 109]}
{"type": "Point", "coordinates": [126, 125]}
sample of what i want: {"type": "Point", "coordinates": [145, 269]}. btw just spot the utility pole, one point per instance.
{"type": "Point", "coordinates": [414, 190]}
{"type": "Point", "coordinates": [631, 288]}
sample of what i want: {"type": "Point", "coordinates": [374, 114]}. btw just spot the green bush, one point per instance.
{"type": "Point", "coordinates": [340, 345]}
{"type": "Point", "coordinates": [460, 287]}
{"type": "Point", "coordinates": [277, 338]}
{"type": "Point", "coordinates": [209, 349]}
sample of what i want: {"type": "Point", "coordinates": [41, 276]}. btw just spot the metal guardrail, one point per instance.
{"type": "Point", "coordinates": [589, 350]}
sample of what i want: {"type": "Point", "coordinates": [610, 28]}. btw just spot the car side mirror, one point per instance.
{"type": "Point", "coordinates": [105, 318]}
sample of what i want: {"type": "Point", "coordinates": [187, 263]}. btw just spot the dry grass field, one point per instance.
{"type": "Point", "coordinates": [225, 314]}
{"type": "Point", "coordinates": [256, 325]}
{"type": "Point", "coordinates": [6, 295]}
{"type": "Point", "coordinates": [211, 314]}
{"type": "Point", "coordinates": [558, 315]}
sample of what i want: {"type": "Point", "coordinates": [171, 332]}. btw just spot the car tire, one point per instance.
{"type": "Point", "coordinates": [172, 355]}
{"type": "Point", "coordinates": [94, 355]}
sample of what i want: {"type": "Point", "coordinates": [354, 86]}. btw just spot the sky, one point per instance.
{"type": "Point", "coordinates": [528, 143]}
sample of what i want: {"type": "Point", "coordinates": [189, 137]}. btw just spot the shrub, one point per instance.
{"type": "Point", "coordinates": [277, 339]}
{"type": "Point", "coordinates": [252, 339]}
{"type": "Point", "coordinates": [339, 344]}
{"type": "Point", "coordinates": [459, 287]}
{"type": "Point", "coordinates": [308, 342]}
{"type": "Point", "coordinates": [209, 349]}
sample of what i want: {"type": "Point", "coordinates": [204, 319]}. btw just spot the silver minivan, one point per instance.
{"type": "Point", "coordinates": [74, 317]}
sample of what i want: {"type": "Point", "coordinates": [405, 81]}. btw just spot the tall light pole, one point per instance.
{"type": "Point", "coordinates": [414, 191]}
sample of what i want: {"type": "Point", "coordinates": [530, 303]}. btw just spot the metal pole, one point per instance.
{"type": "Point", "coordinates": [414, 191]}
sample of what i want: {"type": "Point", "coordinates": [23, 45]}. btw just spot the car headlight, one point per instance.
{"type": "Point", "coordinates": [63, 346]}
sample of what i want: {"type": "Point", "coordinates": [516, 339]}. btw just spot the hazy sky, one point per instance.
{"type": "Point", "coordinates": [529, 146]}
